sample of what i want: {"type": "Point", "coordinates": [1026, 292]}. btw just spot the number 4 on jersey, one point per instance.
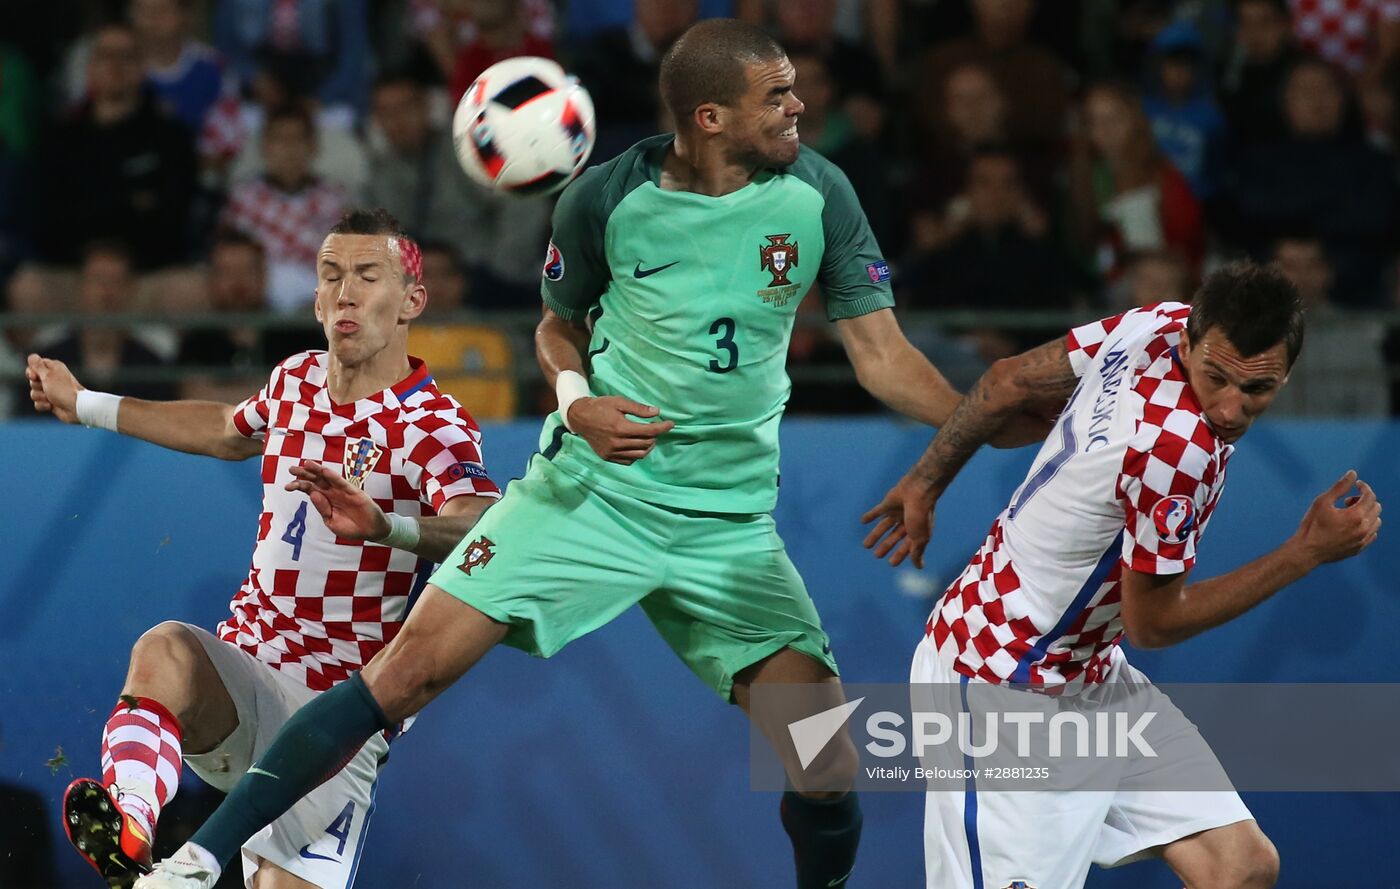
{"type": "Point", "coordinates": [296, 530]}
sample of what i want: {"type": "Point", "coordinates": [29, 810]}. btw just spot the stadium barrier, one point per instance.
{"type": "Point", "coordinates": [611, 765]}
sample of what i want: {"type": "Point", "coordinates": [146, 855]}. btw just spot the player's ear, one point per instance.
{"type": "Point", "coordinates": [1183, 348]}
{"type": "Point", "coordinates": [415, 300]}
{"type": "Point", "coordinates": [316, 304]}
{"type": "Point", "coordinates": [709, 118]}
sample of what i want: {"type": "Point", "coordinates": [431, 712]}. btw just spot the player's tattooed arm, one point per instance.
{"type": "Point", "coordinates": [351, 513]}
{"type": "Point", "coordinates": [1032, 383]}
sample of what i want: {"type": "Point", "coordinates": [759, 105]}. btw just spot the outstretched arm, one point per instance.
{"type": "Point", "coordinates": [351, 513]}
{"type": "Point", "coordinates": [898, 374]}
{"type": "Point", "coordinates": [195, 427]}
{"type": "Point", "coordinates": [1162, 610]}
{"type": "Point", "coordinates": [1028, 384]}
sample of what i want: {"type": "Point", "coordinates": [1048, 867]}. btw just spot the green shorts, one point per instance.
{"type": "Point", "coordinates": [556, 559]}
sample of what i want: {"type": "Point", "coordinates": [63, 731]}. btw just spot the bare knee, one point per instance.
{"type": "Point", "coordinates": [170, 665]}
{"type": "Point", "coordinates": [831, 774]}
{"type": "Point", "coordinates": [1260, 865]}
{"type": "Point", "coordinates": [1251, 865]}
{"type": "Point", "coordinates": [165, 655]}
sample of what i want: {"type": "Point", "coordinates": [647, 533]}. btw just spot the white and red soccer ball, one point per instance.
{"type": "Point", "coordinates": [524, 127]}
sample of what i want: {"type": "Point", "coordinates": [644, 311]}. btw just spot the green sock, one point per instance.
{"type": "Point", "coordinates": [312, 747]}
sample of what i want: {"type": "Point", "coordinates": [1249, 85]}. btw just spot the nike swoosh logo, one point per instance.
{"type": "Point", "coordinates": [254, 770]}
{"type": "Point", "coordinates": [640, 272]}
{"type": "Point", "coordinates": [308, 854]}
{"type": "Point", "coordinates": [840, 880]}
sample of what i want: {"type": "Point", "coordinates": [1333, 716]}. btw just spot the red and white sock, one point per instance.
{"type": "Point", "coordinates": [141, 757]}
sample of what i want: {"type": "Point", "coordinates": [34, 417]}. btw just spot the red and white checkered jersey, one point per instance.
{"type": "Point", "coordinates": [1344, 32]}
{"type": "Point", "coordinates": [316, 606]}
{"type": "Point", "coordinates": [1129, 476]}
{"type": "Point", "coordinates": [289, 224]}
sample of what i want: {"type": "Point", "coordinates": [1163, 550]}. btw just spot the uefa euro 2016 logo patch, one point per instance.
{"type": "Point", "coordinates": [553, 263]}
{"type": "Point", "coordinates": [1174, 518]}
{"type": "Point", "coordinates": [361, 456]}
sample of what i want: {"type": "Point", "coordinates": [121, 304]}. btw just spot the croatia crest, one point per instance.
{"type": "Point", "coordinates": [1174, 518]}
{"type": "Point", "coordinates": [777, 257]}
{"type": "Point", "coordinates": [361, 456]}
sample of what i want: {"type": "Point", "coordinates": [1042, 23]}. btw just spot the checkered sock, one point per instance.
{"type": "Point", "coordinates": [141, 757]}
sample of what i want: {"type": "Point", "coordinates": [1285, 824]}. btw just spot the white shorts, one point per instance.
{"type": "Point", "coordinates": [1047, 839]}
{"type": "Point", "coordinates": [320, 838]}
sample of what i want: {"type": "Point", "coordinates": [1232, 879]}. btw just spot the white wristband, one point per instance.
{"type": "Point", "coordinates": [570, 386]}
{"type": "Point", "coordinates": [404, 532]}
{"type": "Point", "coordinates": [98, 410]}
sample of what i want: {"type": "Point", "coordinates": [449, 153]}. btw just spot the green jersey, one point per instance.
{"type": "Point", "coordinates": [692, 299]}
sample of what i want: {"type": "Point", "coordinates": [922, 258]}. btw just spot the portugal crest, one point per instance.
{"type": "Point", "coordinates": [777, 257]}
{"type": "Point", "coordinates": [478, 553]}
{"type": "Point", "coordinates": [361, 456]}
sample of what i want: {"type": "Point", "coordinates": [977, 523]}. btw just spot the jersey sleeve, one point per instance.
{"type": "Point", "coordinates": [1165, 489]}
{"type": "Point", "coordinates": [854, 276]}
{"type": "Point", "coordinates": [444, 448]}
{"type": "Point", "coordinates": [1083, 342]}
{"type": "Point", "coordinates": [575, 265]}
{"type": "Point", "coordinates": [251, 416]}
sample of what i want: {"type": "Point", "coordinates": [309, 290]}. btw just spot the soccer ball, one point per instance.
{"type": "Point", "coordinates": [524, 127]}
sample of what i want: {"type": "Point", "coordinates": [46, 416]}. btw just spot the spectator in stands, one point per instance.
{"type": "Point", "coordinates": [1126, 196]}
{"type": "Point", "coordinates": [827, 128]}
{"type": "Point", "coordinates": [320, 47]}
{"type": "Point", "coordinates": [19, 121]}
{"type": "Point", "coordinates": [340, 154]}
{"type": "Point", "coordinates": [1252, 91]}
{"type": "Point", "coordinates": [445, 280]}
{"type": "Point", "coordinates": [118, 167]}
{"type": "Point", "coordinates": [1341, 371]}
{"type": "Point", "coordinates": [856, 73]}
{"type": "Point", "coordinates": [1322, 177]}
{"type": "Point", "coordinates": [1153, 277]}
{"type": "Point", "coordinates": [237, 284]}
{"type": "Point", "coordinates": [473, 362]}
{"type": "Point", "coordinates": [998, 254]}
{"type": "Point", "coordinates": [188, 77]}
{"type": "Point", "coordinates": [418, 179]}
{"type": "Point", "coordinates": [501, 30]}
{"type": "Point", "coordinates": [289, 210]}
{"type": "Point", "coordinates": [107, 285]}
{"type": "Point", "coordinates": [1031, 78]}
{"type": "Point", "coordinates": [1186, 123]}
{"type": "Point", "coordinates": [620, 65]}
{"type": "Point", "coordinates": [1359, 36]}
{"type": "Point", "coordinates": [974, 116]}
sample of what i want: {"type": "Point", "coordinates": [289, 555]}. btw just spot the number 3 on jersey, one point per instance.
{"type": "Point", "coordinates": [296, 530]}
{"type": "Point", "coordinates": [724, 329]}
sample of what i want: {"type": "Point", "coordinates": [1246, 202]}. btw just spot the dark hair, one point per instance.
{"type": "Point", "coordinates": [709, 63]}
{"type": "Point", "coordinates": [108, 247]}
{"type": "Point", "coordinates": [1255, 307]}
{"type": "Point", "coordinates": [296, 111]}
{"type": "Point", "coordinates": [431, 246]}
{"type": "Point", "coordinates": [398, 76]}
{"type": "Point", "coordinates": [1278, 6]}
{"type": "Point", "coordinates": [378, 221]}
{"type": "Point", "coordinates": [232, 237]}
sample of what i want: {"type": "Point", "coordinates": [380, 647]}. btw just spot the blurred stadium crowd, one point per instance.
{"type": "Point", "coordinates": [169, 167]}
